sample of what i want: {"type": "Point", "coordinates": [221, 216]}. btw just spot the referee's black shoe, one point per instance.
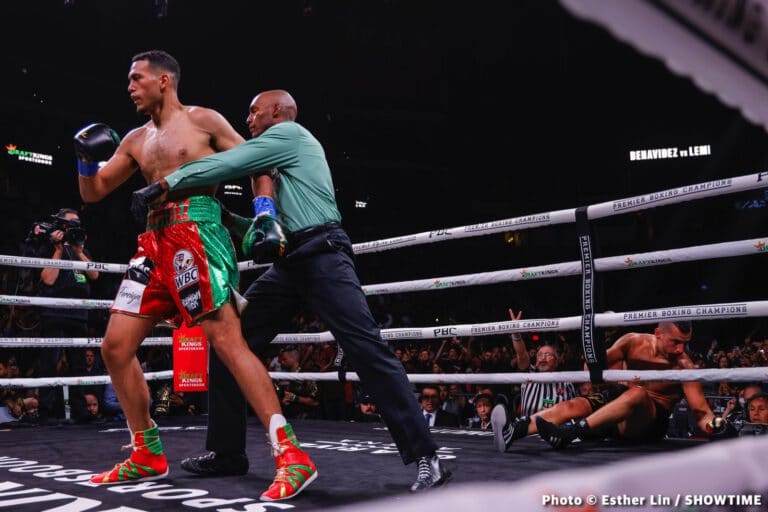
{"type": "Point", "coordinates": [214, 464]}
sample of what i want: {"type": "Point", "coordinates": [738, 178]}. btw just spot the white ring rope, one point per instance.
{"type": "Point", "coordinates": [703, 375]}
{"type": "Point", "coordinates": [570, 268]}
{"type": "Point", "coordinates": [595, 211]}
{"type": "Point", "coordinates": [745, 309]}
{"type": "Point", "coordinates": [92, 380]}
{"type": "Point", "coordinates": [55, 302]}
{"type": "Point", "coordinates": [75, 342]}
{"type": "Point", "coordinates": [28, 262]}
{"type": "Point", "coordinates": [600, 210]}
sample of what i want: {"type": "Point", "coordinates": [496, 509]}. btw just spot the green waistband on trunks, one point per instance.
{"type": "Point", "coordinates": [190, 209]}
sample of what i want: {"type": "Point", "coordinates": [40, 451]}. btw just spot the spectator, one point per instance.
{"type": "Point", "coordinates": [423, 363]}
{"type": "Point", "coordinates": [298, 398]}
{"type": "Point", "coordinates": [453, 362]}
{"type": "Point", "coordinates": [184, 404]}
{"type": "Point", "coordinates": [736, 409]}
{"type": "Point", "coordinates": [31, 410]}
{"type": "Point", "coordinates": [66, 241]}
{"type": "Point", "coordinates": [488, 363]}
{"type": "Point", "coordinates": [482, 417]}
{"type": "Point", "coordinates": [91, 413]}
{"type": "Point", "coordinates": [89, 365]}
{"type": "Point", "coordinates": [366, 411]}
{"type": "Point", "coordinates": [111, 405]}
{"type": "Point", "coordinates": [157, 359]}
{"type": "Point", "coordinates": [11, 409]}
{"type": "Point", "coordinates": [12, 370]}
{"type": "Point", "coordinates": [456, 402]}
{"type": "Point", "coordinates": [757, 406]}
{"type": "Point", "coordinates": [475, 365]}
{"type": "Point", "coordinates": [430, 409]}
{"type": "Point", "coordinates": [19, 411]}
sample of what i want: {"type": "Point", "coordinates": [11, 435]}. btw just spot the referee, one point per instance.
{"type": "Point", "coordinates": [534, 396]}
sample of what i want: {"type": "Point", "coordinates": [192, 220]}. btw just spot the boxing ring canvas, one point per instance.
{"type": "Point", "coordinates": [46, 468]}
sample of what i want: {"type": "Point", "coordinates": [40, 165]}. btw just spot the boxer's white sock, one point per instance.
{"type": "Point", "coordinates": [275, 422]}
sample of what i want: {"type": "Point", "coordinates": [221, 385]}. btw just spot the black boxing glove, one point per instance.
{"type": "Point", "coordinates": [719, 428]}
{"type": "Point", "coordinates": [265, 241]}
{"type": "Point", "coordinates": [93, 144]}
{"type": "Point", "coordinates": [236, 224]}
{"type": "Point", "coordinates": [142, 198]}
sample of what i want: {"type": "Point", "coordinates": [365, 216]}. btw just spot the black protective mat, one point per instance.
{"type": "Point", "coordinates": [356, 462]}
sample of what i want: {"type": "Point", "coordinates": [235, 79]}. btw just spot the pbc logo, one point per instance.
{"type": "Point", "coordinates": [186, 271]}
{"type": "Point", "coordinates": [439, 232]}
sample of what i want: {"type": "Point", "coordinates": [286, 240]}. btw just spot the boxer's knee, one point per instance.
{"type": "Point", "coordinates": [115, 352]}
{"type": "Point", "coordinates": [635, 395]}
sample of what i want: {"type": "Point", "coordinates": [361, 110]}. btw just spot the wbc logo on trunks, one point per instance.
{"type": "Point", "coordinates": [186, 270]}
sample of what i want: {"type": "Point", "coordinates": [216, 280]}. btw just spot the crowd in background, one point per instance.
{"type": "Point", "coordinates": [458, 405]}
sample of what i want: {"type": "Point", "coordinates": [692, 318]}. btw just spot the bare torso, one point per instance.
{"type": "Point", "coordinates": [161, 150]}
{"type": "Point", "coordinates": [642, 354]}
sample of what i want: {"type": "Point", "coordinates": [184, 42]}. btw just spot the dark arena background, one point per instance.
{"type": "Point", "coordinates": [432, 115]}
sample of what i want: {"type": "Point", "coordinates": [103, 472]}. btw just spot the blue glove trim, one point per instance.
{"type": "Point", "coordinates": [264, 204]}
{"type": "Point", "coordinates": [87, 169]}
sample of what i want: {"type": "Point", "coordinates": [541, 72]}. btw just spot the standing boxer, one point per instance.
{"type": "Point", "coordinates": [185, 264]}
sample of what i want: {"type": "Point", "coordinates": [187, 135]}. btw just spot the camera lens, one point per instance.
{"type": "Point", "coordinates": [75, 236]}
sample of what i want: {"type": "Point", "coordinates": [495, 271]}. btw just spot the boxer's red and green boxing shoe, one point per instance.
{"type": "Point", "coordinates": [295, 470]}
{"type": "Point", "coordinates": [147, 461]}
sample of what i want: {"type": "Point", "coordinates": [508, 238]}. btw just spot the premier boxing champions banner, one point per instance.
{"type": "Point", "coordinates": [190, 359]}
{"type": "Point", "coordinates": [721, 46]}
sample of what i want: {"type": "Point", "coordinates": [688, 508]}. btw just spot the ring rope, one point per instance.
{"type": "Point", "coordinates": [164, 341]}
{"type": "Point", "coordinates": [569, 268]}
{"type": "Point", "coordinates": [746, 309]}
{"type": "Point", "coordinates": [596, 211]}
{"type": "Point", "coordinates": [92, 380]}
{"type": "Point", "coordinates": [700, 375]}
{"type": "Point", "coordinates": [55, 302]}
{"type": "Point", "coordinates": [600, 210]}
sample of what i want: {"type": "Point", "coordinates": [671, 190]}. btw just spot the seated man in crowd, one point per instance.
{"type": "Point", "coordinates": [297, 398]}
{"type": "Point", "coordinates": [736, 410]}
{"type": "Point", "coordinates": [430, 409]}
{"type": "Point", "coordinates": [757, 406]}
{"type": "Point", "coordinates": [482, 417]}
{"type": "Point", "coordinates": [366, 411]}
{"type": "Point", "coordinates": [638, 412]}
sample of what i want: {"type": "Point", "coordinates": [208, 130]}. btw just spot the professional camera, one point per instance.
{"type": "Point", "coordinates": [74, 234]}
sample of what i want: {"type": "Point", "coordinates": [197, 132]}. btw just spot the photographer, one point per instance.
{"type": "Point", "coordinates": [61, 239]}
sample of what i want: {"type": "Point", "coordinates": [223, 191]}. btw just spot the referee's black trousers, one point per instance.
{"type": "Point", "coordinates": [319, 271]}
